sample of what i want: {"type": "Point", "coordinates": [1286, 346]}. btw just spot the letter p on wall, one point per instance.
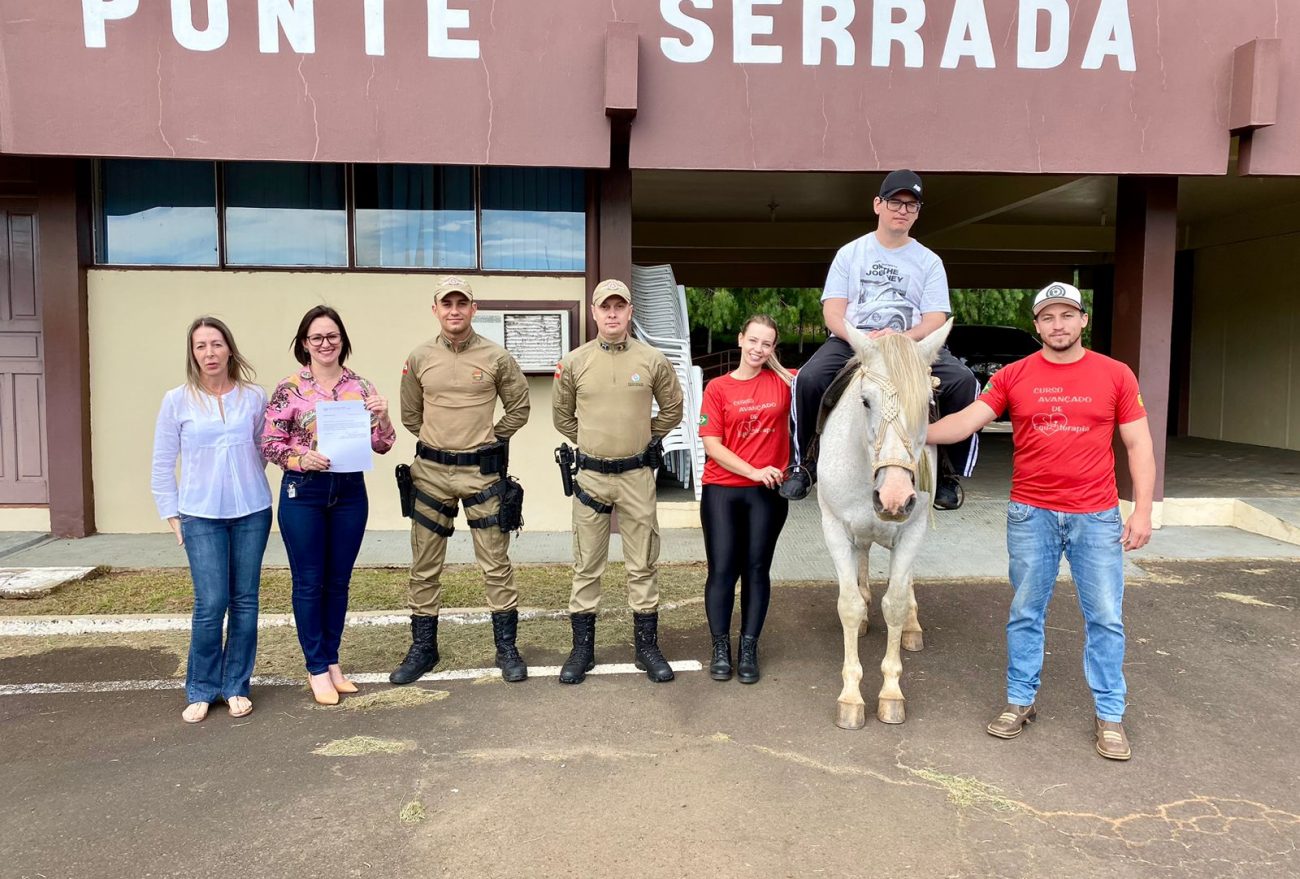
{"type": "Point", "coordinates": [95, 12]}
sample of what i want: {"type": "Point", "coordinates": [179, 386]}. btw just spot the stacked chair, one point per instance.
{"type": "Point", "coordinates": [659, 319]}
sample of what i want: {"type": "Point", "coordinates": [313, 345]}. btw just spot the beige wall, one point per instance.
{"type": "Point", "coordinates": [137, 349]}
{"type": "Point", "coordinates": [1245, 369]}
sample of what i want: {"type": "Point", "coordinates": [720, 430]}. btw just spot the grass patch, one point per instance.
{"type": "Point", "coordinates": [413, 813]}
{"type": "Point", "coordinates": [966, 791]}
{"type": "Point", "coordinates": [399, 697]}
{"type": "Point", "coordinates": [169, 590]}
{"type": "Point", "coordinates": [360, 746]}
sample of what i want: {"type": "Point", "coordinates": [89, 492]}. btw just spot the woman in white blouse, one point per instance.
{"type": "Point", "coordinates": [221, 512]}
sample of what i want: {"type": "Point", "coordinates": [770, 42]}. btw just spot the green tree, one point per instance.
{"type": "Point", "coordinates": [721, 310]}
{"type": "Point", "coordinates": [715, 309]}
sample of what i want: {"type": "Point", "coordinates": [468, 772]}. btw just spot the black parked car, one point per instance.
{"type": "Point", "coordinates": [986, 349]}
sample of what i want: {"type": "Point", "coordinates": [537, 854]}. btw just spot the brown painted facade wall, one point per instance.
{"type": "Point", "coordinates": [534, 90]}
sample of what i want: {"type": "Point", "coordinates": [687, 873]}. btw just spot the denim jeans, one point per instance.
{"type": "Point", "coordinates": [226, 566]}
{"type": "Point", "coordinates": [1036, 539]}
{"type": "Point", "coordinates": [322, 525]}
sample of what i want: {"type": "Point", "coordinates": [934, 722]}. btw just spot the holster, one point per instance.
{"type": "Point", "coordinates": [405, 489]}
{"type": "Point", "coordinates": [654, 453]}
{"type": "Point", "coordinates": [566, 460]}
{"type": "Point", "coordinates": [511, 515]}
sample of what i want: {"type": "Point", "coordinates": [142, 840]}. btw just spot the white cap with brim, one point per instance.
{"type": "Point", "coordinates": [1058, 292]}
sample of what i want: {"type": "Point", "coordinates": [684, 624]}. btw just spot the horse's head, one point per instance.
{"type": "Point", "coordinates": [895, 391]}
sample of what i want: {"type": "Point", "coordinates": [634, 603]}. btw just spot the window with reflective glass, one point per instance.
{"type": "Point", "coordinates": [285, 214]}
{"type": "Point", "coordinates": [157, 212]}
{"type": "Point", "coordinates": [415, 216]}
{"type": "Point", "coordinates": [534, 219]}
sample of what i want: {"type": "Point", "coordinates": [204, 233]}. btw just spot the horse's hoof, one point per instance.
{"type": "Point", "coordinates": [863, 628]}
{"type": "Point", "coordinates": [851, 716]}
{"type": "Point", "coordinates": [890, 711]}
{"type": "Point", "coordinates": [913, 642]}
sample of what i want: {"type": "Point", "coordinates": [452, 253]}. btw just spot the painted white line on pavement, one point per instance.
{"type": "Point", "coordinates": [131, 623]}
{"type": "Point", "coordinates": [462, 674]}
{"type": "Point", "coordinates": [95, 624]}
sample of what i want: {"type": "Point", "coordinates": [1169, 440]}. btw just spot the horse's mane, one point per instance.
{"type": "Point", "coordinates": [910, 375]}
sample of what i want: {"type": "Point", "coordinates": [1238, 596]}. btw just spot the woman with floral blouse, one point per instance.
{"type": "Point", "coordinates": [322, 513]}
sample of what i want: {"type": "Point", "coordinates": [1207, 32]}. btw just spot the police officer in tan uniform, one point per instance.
{"type": "Point", "coordinates": [450, 386]}
{"type": "Point", "coordinates": [602, 400]}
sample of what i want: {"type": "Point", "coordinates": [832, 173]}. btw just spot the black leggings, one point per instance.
{"type": "Point", "coordinates": [741, 525]}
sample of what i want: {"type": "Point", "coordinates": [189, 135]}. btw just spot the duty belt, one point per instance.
{"type": "Point", "coordinates": [613, 465]}
{"type": "Point", "coordinates": [438, 456]}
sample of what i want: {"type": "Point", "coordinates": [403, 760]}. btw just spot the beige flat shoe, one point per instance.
{"type": "Point", "coordinates": [240, 706]}
{"type": "Point", "coordinates": [340, 681]}
{"type": "Point", "coordinates": [322, 690]}
{"type": "Point", "coordinates": [195, 712]}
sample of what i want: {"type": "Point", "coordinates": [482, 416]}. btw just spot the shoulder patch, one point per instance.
{"type": "Point", "coordinates": [704, 419]}
{"type": "Point", "coordinates": [559, 369]}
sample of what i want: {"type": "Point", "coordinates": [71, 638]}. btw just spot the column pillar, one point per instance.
{"type": "Point", "coordinates": [63, 187]}
{"type": "Point", "coordinates": [1146, 227]}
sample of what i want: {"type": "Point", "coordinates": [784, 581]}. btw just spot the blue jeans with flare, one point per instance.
{"type": "Point", "coordinates": [226, 566]}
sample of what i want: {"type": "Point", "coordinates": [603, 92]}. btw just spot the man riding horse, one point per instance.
{"type": "Point", "coordinates": [885, 282]}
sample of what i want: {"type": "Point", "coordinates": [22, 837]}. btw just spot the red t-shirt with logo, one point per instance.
{"type": "Point", "coordinates": [1063, 418]}
{"type": "Point", "coordinates": [752, 418]}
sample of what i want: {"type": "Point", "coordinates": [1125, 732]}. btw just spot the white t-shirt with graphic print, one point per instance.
{"type": "Point", "coordinates": [887, 288]}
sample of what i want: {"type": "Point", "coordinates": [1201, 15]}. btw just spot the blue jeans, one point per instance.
{"type": "Point", "coordinates": [226, 567]}
{"type": "Point", "coordinates": [1036, 539]}
{"type": "Point", "coordinates": [322, 526]}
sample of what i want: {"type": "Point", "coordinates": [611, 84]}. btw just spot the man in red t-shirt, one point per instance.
{"type": "Point", "coordinates": [1065, 404]}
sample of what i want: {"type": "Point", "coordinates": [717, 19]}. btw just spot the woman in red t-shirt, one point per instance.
{"type": "Point", "coordinates": [744, 423]}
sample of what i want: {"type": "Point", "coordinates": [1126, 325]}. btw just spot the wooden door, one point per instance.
{"type": "Point", "coordinates": [23, 458]}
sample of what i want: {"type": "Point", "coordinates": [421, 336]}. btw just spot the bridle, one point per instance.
{"type": "Point", "coordinates": [891, 414]}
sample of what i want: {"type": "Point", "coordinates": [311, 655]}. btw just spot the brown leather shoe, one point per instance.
{"type": "Point", "coordinates": [1011, 722]}
{"type": "Point", "coordinates": [1111, 741]}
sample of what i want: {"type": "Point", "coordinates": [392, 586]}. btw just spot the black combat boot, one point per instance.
{"type": "Point", "coordinates": [505, 623]}
{"type": "Point", "coordinates": [422, 656]}
{"type": "Point", "coordinates": [582, 658]}
{"type": "Point", "coordinates": [747, 665]}
{"type": "Point", "coordinates": [648, 657]}
{"type": "Point", "coordinates": [720, 667]}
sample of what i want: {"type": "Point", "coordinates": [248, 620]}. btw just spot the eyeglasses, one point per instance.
{"type": "Point", "coordinates": [897, 204]}
{"type": "Point", "coordinates": [318, 341]}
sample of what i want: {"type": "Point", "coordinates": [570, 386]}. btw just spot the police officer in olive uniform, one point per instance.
{"type": "Point", "coordinates": [450, 386]}
{"type": "Point", "coordinates": [602, 401]}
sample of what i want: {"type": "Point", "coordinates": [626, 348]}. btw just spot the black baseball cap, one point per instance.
{"type": "Point", "coordinates": [901, 181]}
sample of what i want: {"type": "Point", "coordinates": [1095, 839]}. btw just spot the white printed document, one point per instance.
{"type": "Point", "coordinates": [343, 435]}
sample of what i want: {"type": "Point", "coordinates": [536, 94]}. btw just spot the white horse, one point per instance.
{"type": "Point", "coordinates": [877, 478]}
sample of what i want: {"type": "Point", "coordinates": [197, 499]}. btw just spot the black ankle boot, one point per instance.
{"type": "Point", "coordinates": [720, 667]}
{"type": "Point", "coordinates": [582, 658]}
{"type": "Point", "coordinates": [505, 623]}
{"type": "Point", "coordinates": [648, 657]}
{"type": "Point", "coordinates": [422, 656]}
{"type": "Point", "coordinates": [747, 666]}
